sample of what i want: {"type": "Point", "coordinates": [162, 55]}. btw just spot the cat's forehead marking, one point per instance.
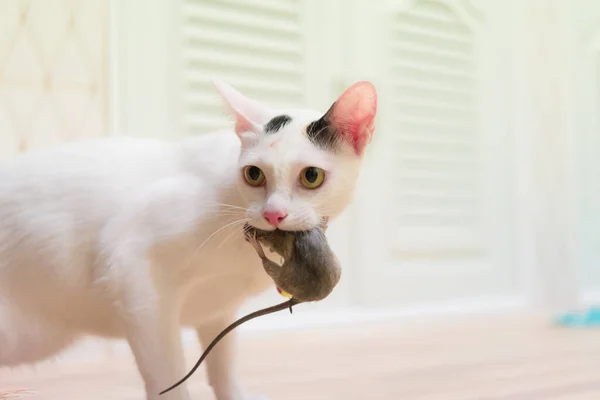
{"type": "Point", "coordinates": [277, 123]}
{"type": "Point", "coordinates": [322, 134]}
{"type": "Point", "coordinates": [274, 142]}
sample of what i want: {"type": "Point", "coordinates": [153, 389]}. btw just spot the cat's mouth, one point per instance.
{"type": "Point", "coordinates": [251, 229]}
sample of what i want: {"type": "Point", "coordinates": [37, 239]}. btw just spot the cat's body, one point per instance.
{"type": "Point", "coordinates": [133, 238]}
{"type": "Point", "coordinates": [98, 201]}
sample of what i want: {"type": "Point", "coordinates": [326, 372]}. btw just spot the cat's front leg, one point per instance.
{"type": "Point", "coordinates": [220, 363]}
{"type": "Point", "coordinates": [153, 331]}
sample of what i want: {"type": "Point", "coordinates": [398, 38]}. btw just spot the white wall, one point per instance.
{"type": "Point", "coordinates": [53, 83]}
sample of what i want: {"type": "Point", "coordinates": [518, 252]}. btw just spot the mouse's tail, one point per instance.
{"type": "Point", "coordinates": [269, 310]}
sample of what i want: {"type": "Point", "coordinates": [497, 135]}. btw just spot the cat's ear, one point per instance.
{"type": "Point", "coordinates": [250, 115]}
{"type": "Point", "coordinates": [352, 116]}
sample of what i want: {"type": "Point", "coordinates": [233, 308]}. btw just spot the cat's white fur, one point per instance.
{"type": "Point", "coordinates": [133, 238]}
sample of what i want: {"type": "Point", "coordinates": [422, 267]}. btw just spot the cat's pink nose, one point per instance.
{"type": "Point", "coordinates": [275, 217]}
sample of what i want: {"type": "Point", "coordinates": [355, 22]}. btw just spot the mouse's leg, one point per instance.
{"type": "Point", "coordinates": [221, 365]}
{"type": "Point", "coordinates": [257, 246]}
{"type": "Point", "coordinates": [271, 268]}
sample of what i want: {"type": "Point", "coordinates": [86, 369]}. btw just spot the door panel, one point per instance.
{"type": "Point", "coordinates": [438, 199]}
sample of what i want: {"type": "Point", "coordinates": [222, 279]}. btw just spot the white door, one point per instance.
{"type": "Point", "coordinates": [435, 201]}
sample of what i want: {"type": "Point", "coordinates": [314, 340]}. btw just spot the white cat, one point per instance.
{"type": "Point", "coordinates": [133, 238]}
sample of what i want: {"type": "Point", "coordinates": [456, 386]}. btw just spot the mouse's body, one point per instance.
{"type": "Point", "coordinates": [310, 270]}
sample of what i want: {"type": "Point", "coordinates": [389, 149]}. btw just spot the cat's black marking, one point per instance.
{"type": "Point", "coordinates": [322, 132]}
{"type": "Point", "coordinates": [277, 123]}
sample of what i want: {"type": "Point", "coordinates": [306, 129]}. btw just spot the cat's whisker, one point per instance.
{"type": "Point", "coordinates": [232, 210]}
{"type": "Point", "coordinates": [233, 232]}
{"type": "Point", "coordinates": [220, 230]}
{"type": "Point", "coordinates": [231, 224]}
{"type": "Point", "coordinates": [228, 206]}
{"type": "Point", "coordinates": [225, 214]}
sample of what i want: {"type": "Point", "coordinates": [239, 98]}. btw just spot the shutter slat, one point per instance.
{"type": "Point", "coordinates": [450, 31]}
{"type": "Point", "coordinates": [423, 68]}
{"type": "Point", "coordinates": [428, 57]}
{"type": "Point", "coordinates": [204, 16]}
{"type": "Point", "coordinates": [434, 11]}
{"type": "Point", "coordinates": [201, 125]}
{"type": "Point", "coordinates": [212, 106]}
{"type": "Point", "coordinates": [274, 8]}
{"type": "Point", "coordinates": [421, 49]}
{"type": "Point", "coordinates": [433, 41]}
{"type": "Point", "coordinates": [239, 40]}
{"type": "Point", "coordinates": [248, 83]}
{"type": "Point", "coordinates": [234, 61]}
{"type": "Point", "coordinates": [427, 32]}
{"type": "Point", "coordinates": [437, 171]}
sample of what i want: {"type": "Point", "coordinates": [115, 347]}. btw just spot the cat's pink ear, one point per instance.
{"type": "Point", "coordinates": [250, 115]}
{"type": "Point", "coordinates": [353, 115]}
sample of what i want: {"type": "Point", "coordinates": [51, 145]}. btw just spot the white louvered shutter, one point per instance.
{"type": "Point", "coordinates": [256, 46]}
{"type": "Point", "coordinates": [436, 173]}
{"type": "Point", "coordinates": [441, 213]}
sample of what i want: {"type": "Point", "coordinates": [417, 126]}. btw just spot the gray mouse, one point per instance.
{"type": "Point", "coordinates": [310, 270]}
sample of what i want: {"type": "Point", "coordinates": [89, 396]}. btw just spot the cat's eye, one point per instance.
{"type": "Point", "coordinates": [254, 175]}
{"type": "Point", "coordinates": [312, 177]}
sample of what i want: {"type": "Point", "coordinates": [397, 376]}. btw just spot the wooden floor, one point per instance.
{"type": "Point", "coordinates": [497, 358]}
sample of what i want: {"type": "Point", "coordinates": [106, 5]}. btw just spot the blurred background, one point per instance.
{"type": "Point", "coordinates": [481, 189]}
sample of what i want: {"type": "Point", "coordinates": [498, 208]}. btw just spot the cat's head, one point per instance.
{"type": "Point", "coordinates": [297, 166]}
